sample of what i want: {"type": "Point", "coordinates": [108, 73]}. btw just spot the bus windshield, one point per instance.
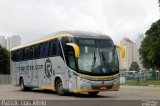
{"type": "Point", "coordinates": [97, 57]}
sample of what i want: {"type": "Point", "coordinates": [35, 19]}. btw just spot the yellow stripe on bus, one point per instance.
{"type": "Point", "coordinates": [43, 40]}
{"type": "Point", "coordinates": [83, 90]}
{"type": "Point", "coordinates": [47, 87]}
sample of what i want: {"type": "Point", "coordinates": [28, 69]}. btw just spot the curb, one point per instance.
{"type": "Point", "coordinates": [156, 85]}
{"type": "Point", "coordinates": [144, 85]}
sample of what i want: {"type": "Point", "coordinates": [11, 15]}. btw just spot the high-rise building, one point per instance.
{"type": "Point", "coordinates": [12, 42]}
{"type": "Point", "coordinates": [8, 43]}
{"type": "Point", "coordinates": [2, 41]}
{"type": "Point", "coordinates": [131, 52]}
{"type": "Point", "coordinates": [138, 42]}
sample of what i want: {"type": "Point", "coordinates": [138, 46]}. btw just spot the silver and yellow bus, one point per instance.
{"type": "Point", "coordinates": [68, 61]}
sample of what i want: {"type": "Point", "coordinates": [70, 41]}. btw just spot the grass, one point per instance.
{"type": "Point", "coordinates": [143, 83]}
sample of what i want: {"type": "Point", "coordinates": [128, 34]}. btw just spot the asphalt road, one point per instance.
{"type": "Point", "coordinates": [125, 93]}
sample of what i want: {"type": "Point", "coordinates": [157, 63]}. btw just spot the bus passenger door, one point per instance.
{"type": "Point", "coordinates": [70, 60]}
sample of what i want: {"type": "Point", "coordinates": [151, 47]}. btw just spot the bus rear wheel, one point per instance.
{"type": "Point", "coordinates": [22, 86]}
{"type": "Point", "coordinates": [59, 87]}
{"type": "Point", "coordinates": [93, 93]}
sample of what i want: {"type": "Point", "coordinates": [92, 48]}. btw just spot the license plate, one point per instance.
{"type": "Point", "coordinates": [103, 88]}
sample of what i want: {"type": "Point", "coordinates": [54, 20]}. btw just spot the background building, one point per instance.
{"type": "Point", "coordinates": [131, 53]}
{"type": "Point", "coordinates": [2, 41]}
{"type": "Point", "coordinates": [12, 42]}
{"type": "Point", "coordinates": [8, 43]}
{"type": "Point", "coordinates": [139, 40]}
{"type": "Point", "coordinates": [138, 43]}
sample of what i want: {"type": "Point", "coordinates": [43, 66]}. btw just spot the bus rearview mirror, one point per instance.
{"type": "Point", "coordinates": [122, 50]}
{"type": "Point", "coordinates": [76, 49]}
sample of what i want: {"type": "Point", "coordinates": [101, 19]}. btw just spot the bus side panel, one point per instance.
{"type": "Point", "coordinates": [25, 70]}
{"type": "Point", "coordinates": [60, 69]}
{"type": "Point", "coordinates": [52, 67]}
{"type": "Point", "coordinates": [14, 73]}
{"type": "Point", "coordinates": [73, 83]}
{"type": "Point", "coordinates": [43, 80]}
{"type": "Point", "coordinates": [40, 72]}
{"type": "Point", "coordinates": [35, 72]}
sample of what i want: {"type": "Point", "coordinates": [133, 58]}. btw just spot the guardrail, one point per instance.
{"type": "Point", "coordinates": [5, 79]}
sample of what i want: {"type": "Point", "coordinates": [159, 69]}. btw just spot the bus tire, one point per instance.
{"type": "Point", "coordinates": [22, 86]}
{"type": "Point", "coordinates": [59, 87]}
{"type": "Point", "coordinates": [93, 93]}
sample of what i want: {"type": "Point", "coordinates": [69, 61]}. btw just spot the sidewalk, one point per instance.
{"type": "Point", "coordinates": [8, 87]}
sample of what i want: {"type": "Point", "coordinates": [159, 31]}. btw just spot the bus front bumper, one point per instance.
{"type": "Point", "coordinates": [85, 85]}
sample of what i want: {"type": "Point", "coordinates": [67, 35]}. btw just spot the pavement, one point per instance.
{"type": "Point", "coordinates": [11, 92]}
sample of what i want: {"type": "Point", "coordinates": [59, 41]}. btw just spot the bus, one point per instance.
{"type": "Point", "coordinates": [68, 61]}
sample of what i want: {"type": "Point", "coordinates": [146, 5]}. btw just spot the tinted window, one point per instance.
{"type": "Point", "coordinates": [31, 53]}
{"type": "Point", "coordinates": [58, 49]}
{"type": "Point", "coordinates": [19, 54]}
{"type": "Point", "coordinates": [69, 53]}
{"type": "Point", "coordinates": [26, 53]}
{"type": "Point", "coordinates": [67, 49]}
{"type": "Point", "coordinates": [52, 48]}
{"type": "Point", "coordinates": [13, 56]}
{"type": "Point", "coordinates": [44, 49]}
{"type": "Point", "coordinates": [36, 51]}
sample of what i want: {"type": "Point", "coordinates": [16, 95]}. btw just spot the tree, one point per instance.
{"type": "Point", "coordinates": [4, 61]}
{"type": "Point", "coordinates": [134, 66]}
{"type": "Point", "coordinates": [150, 47]}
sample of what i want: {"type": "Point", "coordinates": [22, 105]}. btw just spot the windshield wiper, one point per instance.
{"type": "Point", "coordinates": [105, 61]}
{"type": "Point", "coordinates": [94, 62]}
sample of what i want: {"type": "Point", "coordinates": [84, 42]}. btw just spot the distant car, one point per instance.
{"type": "Point", "coordinates": [129, 74]}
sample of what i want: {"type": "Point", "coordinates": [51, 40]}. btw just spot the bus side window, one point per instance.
{"type": "Point", "coordinates": [66, 49]}
{"type": "Point", "coordinates": [13, 56]}
{"type": "Point", "coordinates": [37, 53]}
{"type": "Point", "coordinates": [31, 52]}
{"type": "Point", "coordinates": [58, 48]}
{"type": "Point", "coordinates": [46, 49]}
{"type": "Point", "coordinates": [19, 55]}
{"type": "Point", "coordinates": [26, 53]}
{"type": "Point", "coordinates": [16, 55]}
{"type": "Point", "coordinates": [41, 50]}
{"type": "Point", "coordinates": [69, 53]}
{"type": "Point", "coordinates": [64, 41]}
{"type": "Point", "coordinates": [24, 57]}
{"type": "Point", "coordinates": [52, 48]}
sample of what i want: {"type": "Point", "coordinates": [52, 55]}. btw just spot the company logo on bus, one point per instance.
{"type": "Point", "coordinates": [48, 68]}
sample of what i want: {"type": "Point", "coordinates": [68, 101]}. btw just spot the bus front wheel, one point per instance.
{"type": "Point", "coordinates": [59, 87]}
{"type": "Point", "coordinates": [93, 93]}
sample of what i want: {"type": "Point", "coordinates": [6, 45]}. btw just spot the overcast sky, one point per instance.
{"type": "Point", "coordinates": [32, 19]}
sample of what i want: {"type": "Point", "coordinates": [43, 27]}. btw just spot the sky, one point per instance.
{"type": "Point", "coordinates": [33, 19]}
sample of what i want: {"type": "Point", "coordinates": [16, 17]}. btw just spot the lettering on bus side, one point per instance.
{"type": "Point", "coordinates": [30, 67]}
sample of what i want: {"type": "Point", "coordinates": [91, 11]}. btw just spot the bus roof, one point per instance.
{"type": "Point", "coordinates": [83, 34]}
{"type": "Point", "coordinates": [77, 34]}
